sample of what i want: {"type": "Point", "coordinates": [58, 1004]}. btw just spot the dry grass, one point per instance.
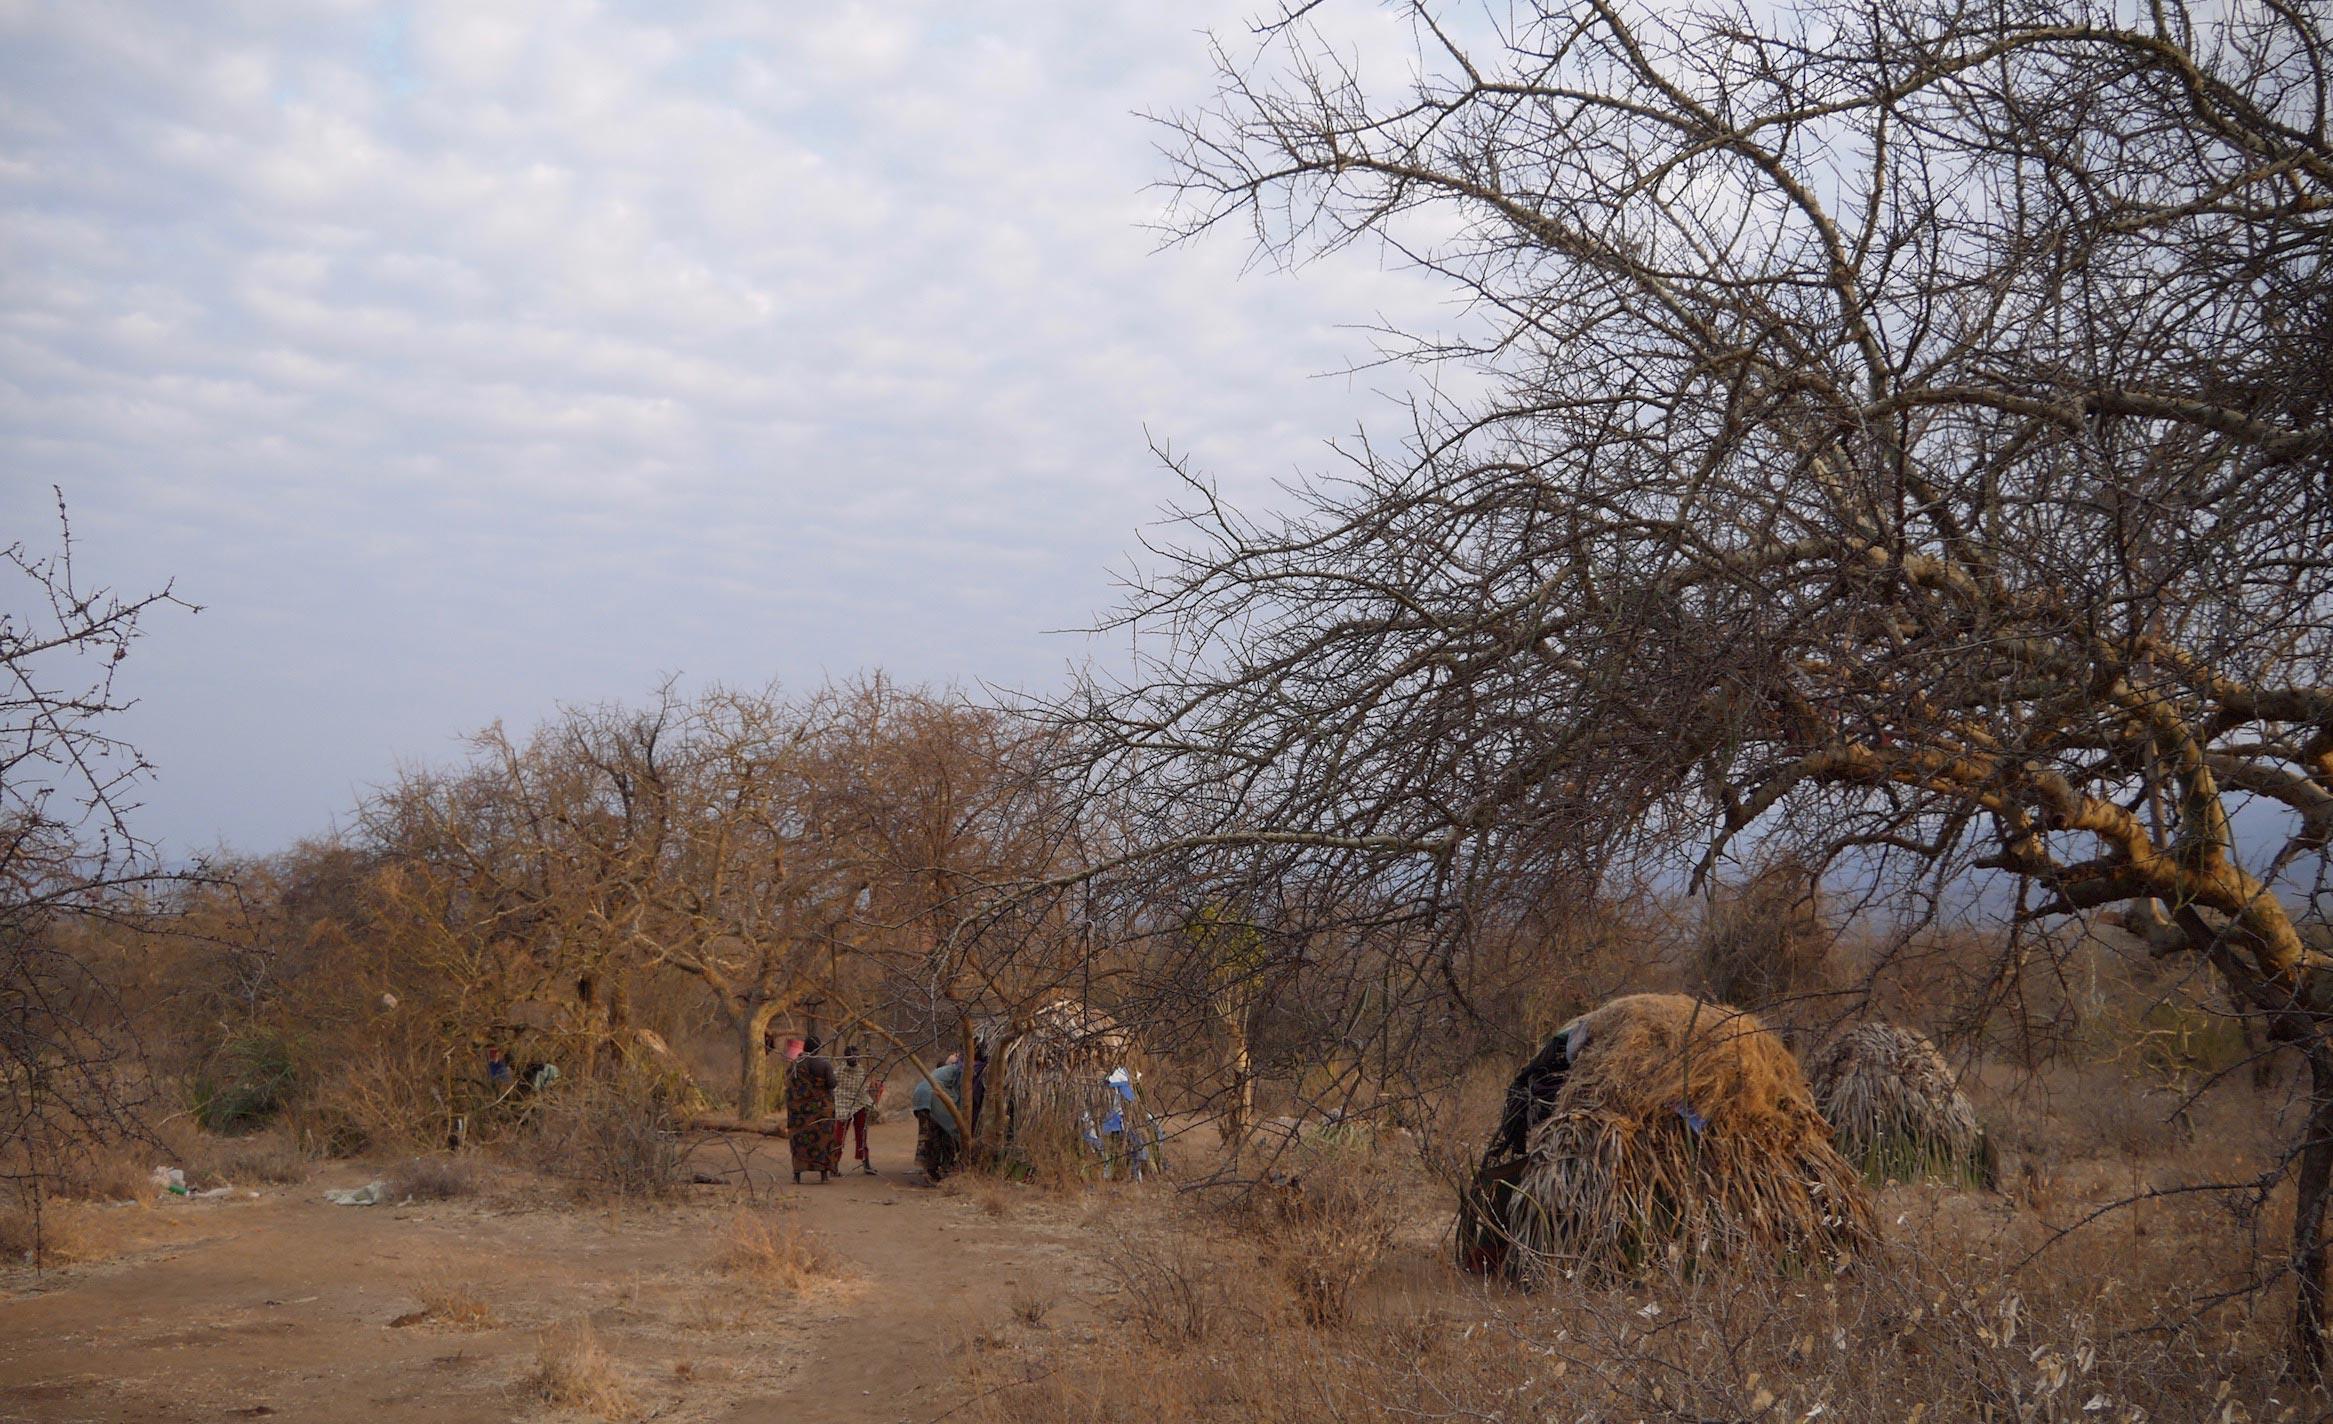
{"type": "Point", "coordinates": [1944, 1330]}
{"type": "Point", "coordinates": [1897, 1109]}
{"type": "Point", "coordinates": [1682, 1129]}
{"type": "Point", "coordinates": [105, 1174]}
{"type": "Point", "coordinates": [992, 1195]}
{"type": "Point", "coordinates": [612, 1138]}
{"type": "Point", "coordinates": [456, 1307]}
{"type": "Point", "coordinates": [2141, 1315]}
{"type": "Point", "coordinates": [1030, 1307]}
{"type": "Point", "coordinates": [1326, 1225]}
{"type": "Point", "coordinates": [774, 1253]}
{"type": "Point", "coordinates": [436, 1178]}
{"type": "Point", "coordinates": [62, 1231]}
{"type": "Point", "coordinates": [271, 1157]}
{"type": "Point", "coordinates": [1765, 940]}
{"type": "Point", "coordinates": [573, 1371]}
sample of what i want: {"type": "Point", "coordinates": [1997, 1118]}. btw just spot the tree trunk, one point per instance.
{"type": "Point", "coordinates": [2309, 1254]}
{"type": "Point", "coordinates": [1239, 1114]}
{"type": "Point", "coordinates": [971, 1090]}
{"type": "Point", "coordinates": [752, 1089]}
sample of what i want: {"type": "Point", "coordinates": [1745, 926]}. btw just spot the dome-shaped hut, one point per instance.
{"type": "Point", "coordinates": [1897, 1108]}
{"type": "Point", "coordinates": [1660, 1126]}
{"type": "Point", "coordinates": [1063, 1083]}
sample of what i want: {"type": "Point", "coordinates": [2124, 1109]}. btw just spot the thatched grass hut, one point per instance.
{"type": "Point", "coordinates": [1898, 1110]}
{"type": "Point", "coordinates": [1048, 1092]}
{"type": "Point", "coordinates": [1661, 1127]}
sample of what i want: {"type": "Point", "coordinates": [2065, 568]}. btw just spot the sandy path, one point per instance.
{"type": "Point", "coordinates": [885, 1350]}
{"type": "Point", "coordinates": [282, 1307]}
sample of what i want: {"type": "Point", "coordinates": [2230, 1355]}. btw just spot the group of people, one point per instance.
{"type": "Point", "coordinates": [827, 1102]}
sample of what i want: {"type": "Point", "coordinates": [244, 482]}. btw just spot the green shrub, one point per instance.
{"type": "Point", "coordinates": [246, 1083]}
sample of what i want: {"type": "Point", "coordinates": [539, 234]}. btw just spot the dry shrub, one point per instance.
{"type": "Point", "coordinates": [377, 1096]}
{"type": "Point", "coordinates": [1897, 1108]}
{"type": "Point", "coordinates": [2106, 1113]}
{"type": "Point", "coordinates": [210, 1160]}
{"type": "Point", "coordinates": [104, 1174]}
{"type": "Point", "coordinates": [774, 1252]}
{"type": "Point", "coordinates": [1765, 940]}
{"type": "Point", "coordinates": [435, 1178]}
{"type": "Point", "coordinates": [613, 1137]}
{"type": "Point", "coordinates": [573, 1371]}
{"type": "Point", "coordinates": [1682, 1128]}
{"type": "Point", "coordinates": [1944, 1339]}
{"type": "Point", "coordinates": [1328, 1224]}
{"type": "Point", "coordinates": [454, 1306]}
{"type": "Point", "coordinates": [246, 1082]}
{"type": "Point", "coordinates": [1180, 1289]}
{"type": "Point", "coordinates": [1031, 1307]}
{"type": "Point", "coordinates": [60, 1232]}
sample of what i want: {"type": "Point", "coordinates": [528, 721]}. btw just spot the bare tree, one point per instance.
{"type": "Point", "coordinates": [1901, 431]}
{"type": "Point", "coordinates": [778, 850]}
{"type": "Point", "coordinates": [759, 886]}
{"type": "Point", "coordinates": [68, 856]}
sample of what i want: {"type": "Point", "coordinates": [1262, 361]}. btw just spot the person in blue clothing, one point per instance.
{"type": "Point", "coordinates": [938, 1136]}
{"type": "Point", "coordinates": [1129, 1137]}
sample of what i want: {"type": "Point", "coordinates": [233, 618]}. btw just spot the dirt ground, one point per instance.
{"type": "Point", "coordinates": [287, 1307]}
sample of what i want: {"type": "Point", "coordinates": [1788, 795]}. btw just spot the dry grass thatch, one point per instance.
{"type": "Point", "coordinates": [1898, 1111]}
{"type": "Point", "coordinates": [1046, 1074]}
{"type": "Point", "coordinates": [1682, 1130]}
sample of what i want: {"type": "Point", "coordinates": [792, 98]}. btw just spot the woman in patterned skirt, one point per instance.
{"type": "Point", "coordinates": [810, 1114]}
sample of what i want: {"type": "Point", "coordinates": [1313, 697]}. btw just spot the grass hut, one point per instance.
{"type": "Point", "coordinates": [1898, 1110]}
{"type": "Point", "coordinates": [1049, 1093]}
{"type": "Point", "coordinates": [1661, 1127]}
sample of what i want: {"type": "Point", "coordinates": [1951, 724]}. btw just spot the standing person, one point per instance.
{"type": "Point", "coordinates": [810, 1113]}
{"type": "Point", "coordinates": [852, 1098]}
{"type": "Point", "coordinates": [979, 1081]}
{"type": "Point", "coordinates": [936, 1135]}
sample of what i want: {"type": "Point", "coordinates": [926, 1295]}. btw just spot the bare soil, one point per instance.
{"type": "Point", "coordinates": [288, 1307]}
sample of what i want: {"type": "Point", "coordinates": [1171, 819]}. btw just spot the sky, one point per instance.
{"type": "Point", "coordinates": [462, 360]}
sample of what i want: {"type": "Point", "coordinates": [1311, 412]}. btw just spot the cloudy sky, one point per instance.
{"type": "Point", "coordinates": [462, 359]}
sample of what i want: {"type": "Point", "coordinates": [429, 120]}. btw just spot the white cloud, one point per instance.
{"type": "Point", "coordinates": [462, 359]}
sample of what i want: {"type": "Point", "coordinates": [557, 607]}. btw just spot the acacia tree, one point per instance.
{"type": "Point", "coordinates": [687, 834]}
{"type": "Point", "coordinates": [970, 912]}
{"type": "Point", "coordinates": [760, 884]}
{"type": "Point", "coordinates": [68, 856]}
{"type": "Point", "coordinates": [1903, 431]}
